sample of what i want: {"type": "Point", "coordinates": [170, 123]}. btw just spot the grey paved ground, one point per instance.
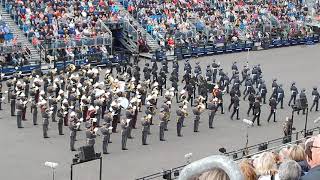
{"type": "Point", "coordinates": [23, 151]}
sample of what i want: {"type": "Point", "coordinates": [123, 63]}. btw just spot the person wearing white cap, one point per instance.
{"type": "Point", "coordinates": [19, 109]}
{"type": "Point", "coordinates": [124, 134]}
{"type": "Point", "coordinates": [106, 131]}
{"type": "Point", "coordinates": [145, 128]}
{"type": "Point", "coordinates": [91, 134]}
{"type": "Point", "coordinates": [45, 117]}
{"type": "Point", "coordinates": [73, 123]}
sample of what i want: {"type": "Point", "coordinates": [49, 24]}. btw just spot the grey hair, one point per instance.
{"type": "Point", "coordinates": [289, 170]}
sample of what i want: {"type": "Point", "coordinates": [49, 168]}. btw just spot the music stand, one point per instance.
{"type": "Point", "coordinates": [76, 163]}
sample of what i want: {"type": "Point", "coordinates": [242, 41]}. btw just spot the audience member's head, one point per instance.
{"type": "Point", "coordinates": [313, 151]}
{"type": "Point", "coordinates": [265, 164]}
{"type": "Point", "coordinates": [297, 153]}
{"type": "Point", "coordinates": [289, 170]}
{"type": "Point", "coordinates": [284, 154]}
{"type": "Point", "coordinates": [214, 174]}
{"type": "Point", "coordinates": [248, 170]}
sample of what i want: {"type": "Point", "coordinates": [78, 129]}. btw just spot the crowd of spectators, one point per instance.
{"type": "Point", "coordinates": [5, 33]}
{"type": "Point", "coordinates": [293, 162]}
{"type": "Point", "coordinates": [221, 21]}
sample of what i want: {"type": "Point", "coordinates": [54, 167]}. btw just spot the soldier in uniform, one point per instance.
{"type": "Point", "coordinates": [53, 105]}
{"type": "Point", "coordinates": [1, 96]}
{"type": "Point", "coordinates": [212, 106]}
{"type": "Point", "coordinates": [197, 112]}
{"type": "Point", "coordinates": [91, 132]}
{"type": "Point", "coordinates": [45, 112]}
{"type": "Point", "coordinates": [236, 104]}
{"type": "Point", "coordinates": [106, 131]}
{"type": "Point", "coordinates": [20, 106]}
{"type": "Point", "coordinates": [218, 94]}
{"type": "Point", "coordinates": [232, 94]}
{"type": "Point", "coordinates": [129, 115]}
{"type": "Point", "coordinates": [162, 125]}
{"type": "Point", "coordinates": [251, 99]}
{"type": "Point", "coordinates": [61, 114]}
{"type": "Point", "coordinates": [315, 97]}
{"type": "Point", "coordinates": [263, 91]}
{"type": "Point", "coordinates": [124, 134]}
{"type": "Point", "coordinates": [181, 113]}
{"type": "Point", "coordinates": [294, 93]}
{"type": "Point", "coordinates": [303, 101]}
{"type": "Point", "coordinates": [13, 102]}
{"type": "Point", "coordinates": [73, 123]}
{"type": "Point", "coordinates": [145, 128]}
{"type": "Point", "coordinates": [34, 111]}
{"type": "Point", "coordinates": [256, 111]}
{"type": "Point", "coordinates": [280, 95]}
{"type": "Point", "coordinates": [273, 107]}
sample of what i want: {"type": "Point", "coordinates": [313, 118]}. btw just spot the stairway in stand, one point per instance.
{"type": "Point", "coordinates": [17, 32]}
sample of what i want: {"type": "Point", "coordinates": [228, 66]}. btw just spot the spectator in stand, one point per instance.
{"type": "Point", "coordinates": [248, 170]}
{"type": "Point", "coordinates": [214, 174]}
{"type": "Point", "coordinates": [312, 150]}
{"type": "Point", "coordinates": [297, 154]}
{"type": "Point", "coordinates": [289, 170]}
{"type": "Point", "coordinates": [266, 166]}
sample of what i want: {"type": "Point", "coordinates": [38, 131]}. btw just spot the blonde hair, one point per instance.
{"type": "Point", "coordinates": [266, 164]}
{"type": "Point", "coordinates": [214, 174]}
{"type": "Point", "coordinates": [248, 170]}
{"type": "Point", "coordinates": [297, 153]}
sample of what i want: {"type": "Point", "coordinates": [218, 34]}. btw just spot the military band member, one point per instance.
{"type": "Point", "coordinates": [294, 93]}
{"type": "Point", "coordinates": [212, 106]}
{"type": "Point", "coordinates": [181, 113]}
{"type": "Point", "coordinates": [73, 123]}
{"type": "Point", "coordinates": [61, 115]}
{"type": "Point", "coordinates": [129, 115]}
{"type": "Point", "coordinates": [91, 132]}
{"type": "Point", "coordinates": [273, 108]}
{"type": "Point", "coordinates": [124, 134]}
{"type": "Point", "coordinates": [53, 105]}
{"type": "Point", "coordinates": [197, 112]}
{"type": "Point", "coordinates": [45, 112]}
{"type": "Point", "coordinates": [218, 94]}
{"type": "Point", "coordinates": [19, 108]}
{"type": "Point", "coordinates": [13, 102]}
{"type": "Point", "coordinates": [106, 131]}
{"type": "Point", "coordinates": [315, 98]}
{"type": "Point", "coordinates": [162, 124]}
{"type": "Point", "coordinates": [145, 128]}
{"type": "Point", "coordinates": [1, 96]}
{"type": "Point", "coordinates": [236, 104]}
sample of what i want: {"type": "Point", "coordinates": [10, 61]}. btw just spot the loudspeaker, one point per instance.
{"type": "Point", "coordinates": [87, 153]}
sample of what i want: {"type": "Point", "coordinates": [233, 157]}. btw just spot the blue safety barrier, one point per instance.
{"type": "Point", "coordinates": [194, 51]}
{"type": "Point", "coordinates": [240, 46]}
{"type": "Point", "coordinates": [209, 49]}
{"type": "Point", "coordinates": [230, 48]}
{"type": "Point", "coordinates": [201, 50]}
{"type": "Point", "coordinates": [219, 48]}
{"type": "Point", "coordinates": [24, 69]}
{"type": "Point", "coordinates": [186, 52]}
